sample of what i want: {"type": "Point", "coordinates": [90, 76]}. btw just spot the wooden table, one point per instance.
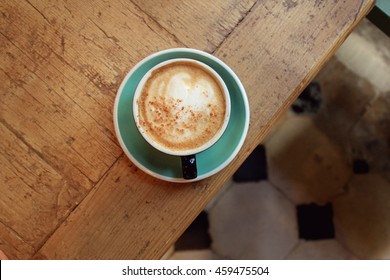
{"type": "Point", "coordinates": [67, 191]}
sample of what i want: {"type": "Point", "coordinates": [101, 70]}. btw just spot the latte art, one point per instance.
{"type": "Point", "coordinates": [182, 106]}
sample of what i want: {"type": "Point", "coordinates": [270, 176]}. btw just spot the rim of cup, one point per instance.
{"type": "Point", "coordinates": [197, 150]}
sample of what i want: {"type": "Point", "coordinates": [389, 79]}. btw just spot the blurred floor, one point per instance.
{"type": "Point", "coordinates": [319, 185]}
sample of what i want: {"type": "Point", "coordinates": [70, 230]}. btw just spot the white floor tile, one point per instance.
{"type": "Point", "coordinates": [366, 52]}
{"type": "Point", "coordinates": [305, 164]}
{"type": "Point", "coordinates": [218, 196]}
{"type": "Point", "coordinates": [345, 99]}
{"type": "Point", "coordinates": [329, 249]}
{"type": "Point", "coordinates": [362, 217]}
{"type": "Point", "coordinates": [253, 221]}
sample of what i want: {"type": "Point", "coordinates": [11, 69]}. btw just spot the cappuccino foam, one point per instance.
{"type": "Point", "coordinates": [182, 106]}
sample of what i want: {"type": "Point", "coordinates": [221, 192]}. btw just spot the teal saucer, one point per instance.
{"type": "Point", "coordinates": [167, 167]}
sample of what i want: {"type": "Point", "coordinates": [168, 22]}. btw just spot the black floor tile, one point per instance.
{"type": "Point", "coordinates": [254, 167]}
{"type": "Point", "coordinates": [196, 236]}
{"type": "Point", "coordinates": [309, 101]}
{"type": "Point", "coordinates": [315, 222]}
{"type": "Point", "coordinates": [360, 166]}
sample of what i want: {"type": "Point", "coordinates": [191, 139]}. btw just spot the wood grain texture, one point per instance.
{"type": "Point", "coordinates": [130, 207]}
{"type": "Point", "coordinates": [60, 71]}
{"type": "Point", "coordinates": [62, 63]}
{"type": "Point", "coordinates": [198, 24]}
{"type": "Point", "coordinates": [275, 50]}
{"type": "Point", "coordinates": [288, 44]}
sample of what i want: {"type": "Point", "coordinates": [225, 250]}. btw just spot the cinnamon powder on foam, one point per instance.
{"type": "Point", "coordinates": [174, 122]}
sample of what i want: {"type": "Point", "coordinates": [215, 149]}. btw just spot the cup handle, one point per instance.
{"type": "Point", "coordinates": [188, 165]}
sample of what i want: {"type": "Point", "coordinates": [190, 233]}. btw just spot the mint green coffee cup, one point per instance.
{"type": "Point", "coordinates": [168, 167]}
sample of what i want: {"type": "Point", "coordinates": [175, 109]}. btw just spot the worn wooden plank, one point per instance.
{"type": "Point", "coordinates": [198, 24]}
{"type": "Point", "coordinates": [34, 199]}
{"type": "Point", "coordinates": [276, 50]}
{"type": "Point", "coordinates": [60, 69]}
{"type": "Point", "coordinates": [49, 121]}
{"type": "Point", "coordinates": [13, 244]}
{"type": "Point", "coordinates": [62, 62]}
{"type": "Point", "coordinates": [133, 209]}
{"type": "Point", "coordinates": [288, 44]}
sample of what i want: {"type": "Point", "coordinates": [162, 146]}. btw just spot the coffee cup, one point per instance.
{"type": "Point", "coordinates": [181, 107]}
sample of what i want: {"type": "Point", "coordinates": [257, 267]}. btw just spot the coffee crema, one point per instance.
{"type": "Point", "coordinates": [182, 106]}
